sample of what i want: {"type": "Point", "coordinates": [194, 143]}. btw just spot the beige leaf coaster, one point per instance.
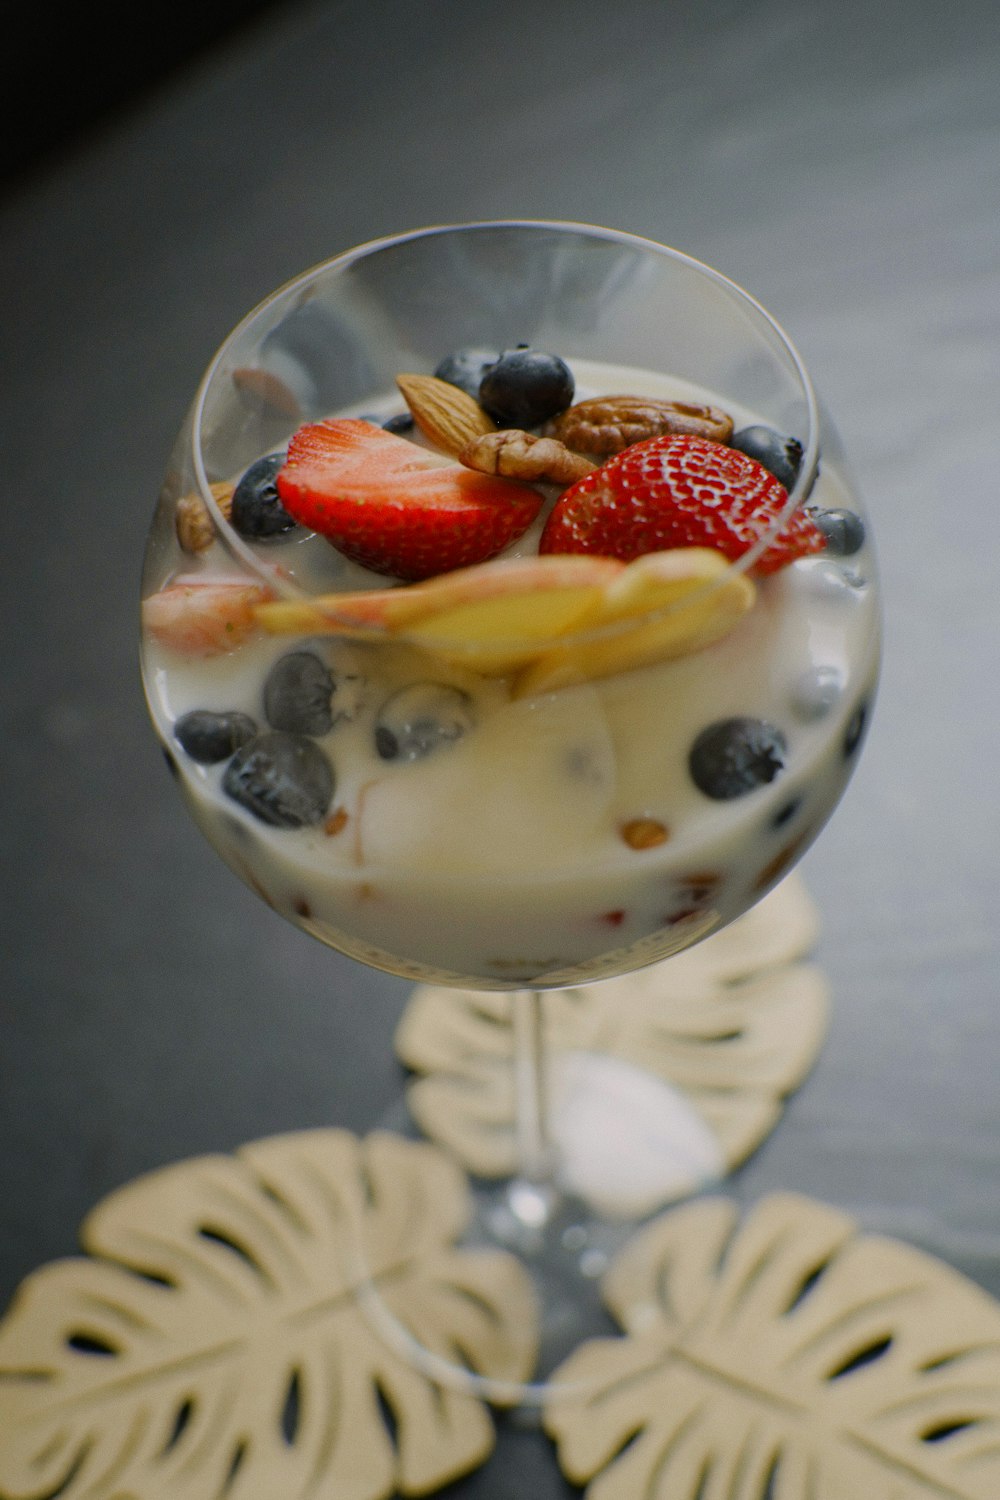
{"type": "Point", "coordinates": [660, 1081]}
{"type": "Point", "coordinates": [790, 1357]}
{"type": "Point", "coordinates": [212, 1341]}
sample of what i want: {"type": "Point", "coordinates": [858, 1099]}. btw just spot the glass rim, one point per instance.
{"type": "Point", "coordinates": [284, 587]}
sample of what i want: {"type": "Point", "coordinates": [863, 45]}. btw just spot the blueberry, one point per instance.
{"type": "Point", "coordinates": [735, 756]}
{"type": "Point", "coordinates": [257, 512]}
{"type": "Point", "coordinates": [210, 737]}
{"type": "Point", "coordinates": [420, 719]}
{"type": "Point", "coordinates": [285, 780]}
{"type": "Point", "coordinates": [844, 531]}
{"type": "Point", "coordinates": [525, 387]}
{"type": "Point", "coordinates": [297, 694]}
{"type": "Point", "coordinates": [782, 455]}
{"type": "Point", "coordinates": [401, 421]}
{"type": "Point", "coordinates": [466, 368]}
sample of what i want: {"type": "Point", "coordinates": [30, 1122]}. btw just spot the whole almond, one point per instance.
{"type": "Point", "coordinates": [447, 416]}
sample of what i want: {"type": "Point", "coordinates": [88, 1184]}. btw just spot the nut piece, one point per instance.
{"type": "Point", "coordinates": [446, 415]}
{"type": "Point", "coordinates": [644, 833]}
{"type": "Point", "coordinates": [192, 521]}
{"type": "Point", "coordinates": [513, 454]}
{"type": "Point", "coordinates": [336, 822]}
{"type": "Point", "coordinates": [607, 424]}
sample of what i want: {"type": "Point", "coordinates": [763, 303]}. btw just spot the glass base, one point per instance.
{"type": "Point", "coordinates": [563, 1249]}
{"type": "Point", "coordinates": [576, 1116]}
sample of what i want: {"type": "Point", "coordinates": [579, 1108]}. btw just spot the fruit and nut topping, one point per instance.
{"type": "Point", "coordinates": [525, 387]}
{"type": "Point", "coordinates": [256, 511]}
{"type": "Point", "coordinates": [497, 443]}
{"type": "Point", "coordinates": [284, 779]}
{"type": "Point", "coordinates": [192, 522]}
{"type": "Point", "coordinates": [195, 617]}
{"type": "Point", "coordinates": [210, 737]}
{"type": "Point", "coordinates": [447, 416]}
{"type": "Point", "coordinates": [644, 833]}
{"type": "Point", "coordinates": [680, 491]}
{"type": "Point", "coordinates": [394, 507]}
{"type": "Point", "coordinates": [520, 455]}
{"type": "Point", "coordinates": [604, 425]}
{"type": "Point", "coordinates": [735, 756]}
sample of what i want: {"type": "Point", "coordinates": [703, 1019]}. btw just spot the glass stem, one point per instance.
{"type": "Point", "coordinates": [535, 1157]}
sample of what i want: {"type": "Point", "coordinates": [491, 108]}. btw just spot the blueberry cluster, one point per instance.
{"type": "Point", "coordinates": [279, 773]}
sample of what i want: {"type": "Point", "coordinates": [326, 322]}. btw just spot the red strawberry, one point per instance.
{"type": "Point", "coordinates": [678, 491]}
{"type": "Point", "coordinates": [395, 507]}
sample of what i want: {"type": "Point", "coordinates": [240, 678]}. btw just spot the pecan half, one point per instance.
{"type": "Point", "coordinates": [607, 424]}
{"type": "Point", "coordinates": [514, 454]}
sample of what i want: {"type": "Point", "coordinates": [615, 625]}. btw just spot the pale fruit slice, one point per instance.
{"type": "Point", "coordinates": [196, 618]}
{"type": "Point", "coordinates": [509, 617]}
{"type": "Point", "coordinates": [491, 617]}
{"type": "Point", "coordinates": [365, 613]}
{"type": "Point", "coordinates": [681, 600]}
{"type": "Point", "coordinates": [503, 616]}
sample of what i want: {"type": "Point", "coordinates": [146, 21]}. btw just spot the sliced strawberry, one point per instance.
{"type": "Point", "coordinates": [679, 491]}
{"type": "Point", "coordinates": [395, 507]}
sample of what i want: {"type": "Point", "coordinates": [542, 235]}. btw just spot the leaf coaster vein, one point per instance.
{"type": "Point", "coordinates": [787, 1357]}
{"type": "Point", "coordinates": [661, 1081]}
{"type": "Point", "coordinates": [215, 1329]}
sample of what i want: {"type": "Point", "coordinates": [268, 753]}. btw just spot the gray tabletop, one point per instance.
{"type": "Point", "coordinates": [842, 163]}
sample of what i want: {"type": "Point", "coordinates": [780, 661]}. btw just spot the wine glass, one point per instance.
{"type": "Point", "coordinates": [526, 772]}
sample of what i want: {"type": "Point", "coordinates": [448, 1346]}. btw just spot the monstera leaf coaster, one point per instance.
{"type": "Point", "coordinates": [660, 1081]}
{"type": "Point", "coordinates": [213, 1341]}
{"type": "Point", "coordinates": [790, 1357]}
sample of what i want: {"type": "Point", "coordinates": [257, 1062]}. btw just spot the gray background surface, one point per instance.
{"type": "Point", "coordinates": [842, 163]}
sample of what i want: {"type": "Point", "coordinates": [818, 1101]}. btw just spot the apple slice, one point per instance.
{"type": "Point", "coordinates": [365, 613]}
{"type": "Point", "coordinates": [680, 600]}
{"type": "Point", "coordinates": [491, 617]}
{"type": "Point", "coordinates": [203, 617]}
{"type": "Point", "coordinates": [501, 619]}
{"type": "Point", "coordinates": [504, 616]}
